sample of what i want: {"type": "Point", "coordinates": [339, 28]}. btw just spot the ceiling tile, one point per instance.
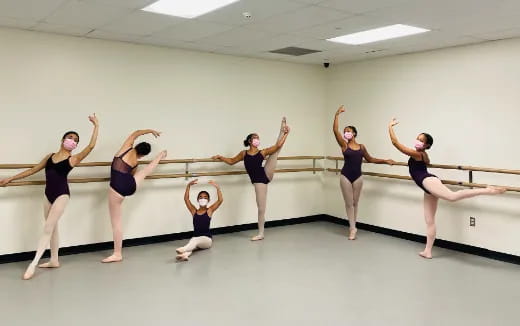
{"type": "Point", "coordinates": [178, 44]}
{"type": "Point", "coordinates": [277, 42]}
{"type": "Point", "coordinates": [141, 23]}
{"type": "Point", "coordinates": [112, 36]}
{"type": "Point", "coordinates": [237, 37]}
{"type": "Point", "coordinates": [426, 41]}
{"type": "Point", "coordinates": [62, 29]}
{"type": "Point", "coordinates": [299, 19]}
{"type": "Point", "coordinates": [129, 4]}
{"type": "Point", "coordinates": [310, 2]}
{"type": "Point", "coordinates": [346, 26]}
{"type": "Point", "coordinates": [29, 9]}
{"type": "Point", "coordinates": [77, 13]}
{"type": "Point", "coordinates": [260, 10]}
{"type": "Point", "coordinates": [436, 14]}
{"type": "Point", "coordinates": [322, 45]}
{"type": "Point", "coordinates": [16, 22]}
{"type": "Point", "coordinates": [190, 31]}
{"type": "Point", "coordinates": [499, 35]}
{"type": "Point", "coordinates": [361, 6]}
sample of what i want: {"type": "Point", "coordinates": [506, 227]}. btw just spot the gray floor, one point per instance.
{"type": "Point", "coordinates": [300, 275]}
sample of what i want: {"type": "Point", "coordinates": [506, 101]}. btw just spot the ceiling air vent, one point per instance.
{"type": "Point", "coordinates": [294, 51]}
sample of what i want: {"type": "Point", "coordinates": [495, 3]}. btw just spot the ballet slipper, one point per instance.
{"type": "Point", "coordinates": [113, 259]}
{"type": "Point", "coordinates": [29, 272]}
{"type": "Point", "coordinates": [50, 264]}
{"type": "Point", "coordinates": [258, 237]}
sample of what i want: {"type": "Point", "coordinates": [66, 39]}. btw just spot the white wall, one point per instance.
{"type": "Point", "coordinates": [468, 99]}
{"type": "Point", "coordinates": [205, 104]}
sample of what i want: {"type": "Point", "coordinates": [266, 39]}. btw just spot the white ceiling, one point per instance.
{"type": "Point", "coordinates": [274, 24]}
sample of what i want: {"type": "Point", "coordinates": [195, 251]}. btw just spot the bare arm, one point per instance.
{"type": "Point", "coordinates": [76, 159]}
{"type": "Point", "coordinates": [187, 201]}
{"type": "Point", "coordinates": [371, 159]}
{"type": "Point", "coordinates": [230, 160]}
{"type": "Point", "coordinates": [219, 201]}
{"type": "Point", "coordinates": [403, 149]}
{"type": "Point", "coordinates": [129, 142]}
{"type": "Point", "coordinates": [38, 167]}
{"type": "Point", "coordinates": [335, 128]}
{"type": "Point", "coordinates": [273, 149]}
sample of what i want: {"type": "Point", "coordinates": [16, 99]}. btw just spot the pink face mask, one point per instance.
{"type": "Point", "coordinates": [419, 145]}
{"type": "Point", "coordinates": [348, 135]}
{"type": "Point", "coordinates": [69, 144]}
{"type": "Point", "coordinates": [255, 142]}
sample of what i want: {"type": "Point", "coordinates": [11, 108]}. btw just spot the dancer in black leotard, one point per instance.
{"type": "Point", "coordinates": [124, 180]}
{"type": "Point", "coordinates": [260, 176]}
{"type": "Point", "coordinates": [432, 186]}
{"type": "Point", "coordinates": [57, 167]}
{"type": "Point", "coordinates": [202, 238]}
{"type": "Point", "coordinates": [351, 180]}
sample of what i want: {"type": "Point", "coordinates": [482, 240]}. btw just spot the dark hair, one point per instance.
{"type": "Point", "coordinates": [203, 192]}
{"type": "Point", "coordinates": [70, 133]}
{"type": "Point", "coordinates": [143, 149]}
{"type": "Point", "coordinates": [354, 130]}
{"type": "Point", "coordinates": [429, 140]}
{"type": "Point", "coordinates": [248, 139]}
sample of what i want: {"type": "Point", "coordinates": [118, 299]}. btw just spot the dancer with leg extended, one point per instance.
{"type": "Point", "coordinates": [260, 175]}
{"type": "Point", "coordinates": [125, 180]}
{"type": "Point", "coordinates": [202, 238]}
{"type": "Point", "coordinates": [431, 185]}
{"type": "Point", "coordinates": [57, 167]}
{"type": "Point", "coordinates": [351, 179]}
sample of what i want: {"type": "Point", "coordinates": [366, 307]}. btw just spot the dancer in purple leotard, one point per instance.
{"type": "Point", "coordinates": [351, 180]}
{"type": "Point", "coordinates": [432, 186]}
{"type": "Point", "coordinates": [202, 238]}
{"type": "Point", "coordinates": [260, 176]}
{"type": "Point", "coordinates": [57, 167]}
{"type": "Point", "coordinates": [124, 180]}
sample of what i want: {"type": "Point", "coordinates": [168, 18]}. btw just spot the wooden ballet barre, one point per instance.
{"type": "Point", "coordinates": [190, 160]}
{"type": "Point", "coordinates": [164, 176]}
{"type": "Point", "coordinates": [446, 167]}
{"type": "Point", "coordinates": [449, 182]}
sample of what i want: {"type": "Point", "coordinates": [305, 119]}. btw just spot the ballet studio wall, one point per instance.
{"type": "Point", "coordinates": [205, 104]}
{"type": "Point", "coordinates": [468, 99]}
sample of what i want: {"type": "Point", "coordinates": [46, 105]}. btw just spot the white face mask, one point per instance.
{"type": "Point", "coordinates": [203, 202]}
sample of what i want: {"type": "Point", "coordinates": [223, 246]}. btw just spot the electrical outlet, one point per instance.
{"type": "Point", "coordinates": [472, 221]}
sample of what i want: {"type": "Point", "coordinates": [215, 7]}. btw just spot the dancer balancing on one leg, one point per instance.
{"type": "Point", "coordinates": [202, 238]}
{"type": "Point", "coordinates": [430, 184]}
{"type": "Point", "coordinates": [125, 180]}
{"type": "Point", "coordinates": [260, 175]}
{"type": "Point", "coordinates": [57, 167]}
{"type": "Point", "coordinates": [351, 179]}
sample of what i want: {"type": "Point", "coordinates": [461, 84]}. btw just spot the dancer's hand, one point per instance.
{"type": "Point", "coordinates": [286, 130]}
{"type": "Point", "coordinates": [340, 110]}
{"type": "Point", "coordinates": [217, 157]}
{"type": "Point", "coordinates": [4, 182]}
{"type": "Point", "coordinates": [155, 133]}
{"type": "Point", "coordinates": [92, 118]}
{"type": "Point", "coordinates": [391, 162]}
{"type": "Point", "coordinates": [193, 182]}
{"type": "Point", "coordinates": [393, 122]}
{"type": "Point", "coordinates": [163, 154]}
{"type": "Point", "coordinates": [213, 183]}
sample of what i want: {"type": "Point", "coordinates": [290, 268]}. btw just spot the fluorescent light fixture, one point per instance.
{"type": "Point", "coordinates": [379, 34]}
{"type": "Point", "coordinates": [186, 8]}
